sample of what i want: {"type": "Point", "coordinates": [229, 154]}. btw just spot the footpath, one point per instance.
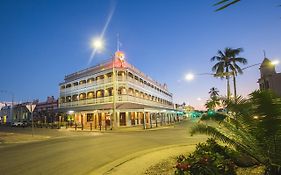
{"type": "Point", "coordinates": [139, 162]}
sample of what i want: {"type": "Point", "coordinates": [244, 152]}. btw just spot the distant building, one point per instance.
{"type": "Point", "coordinates": [92, 96]}
{"type": "Point", "coordinates": [46, 112]}
{"type": "Point", "coordinates": [6, 112]}
{"type": "Point", "coordinates": [269, 79]}
{"type": "Point", "coordinates": [21, 113]}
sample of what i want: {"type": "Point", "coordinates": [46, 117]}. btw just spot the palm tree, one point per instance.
{"type": "Point", "coordinates": [227, 66]}
{"type": "Point", "coordinates": [235, 68]}
{"type": "Point", "coordinates": [225, 4]}
{"type": "Point", "coordinates": [259, 133]}
{"type": "Point", "coordinates": [221, 68]}
{"type": "Point", "coordinates": [212, 103]}
{"type": "Point", "coordinates": [214, 92]}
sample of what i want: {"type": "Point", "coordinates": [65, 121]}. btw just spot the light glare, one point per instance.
{"type": "Point", "coordinates": [70, 112]}
{"type": "Point", "coordinates": [189, 76]}
{"type": "Point", "coordinates": [275, 62]}
{"type": "Point", "coordinates": [98, 44]}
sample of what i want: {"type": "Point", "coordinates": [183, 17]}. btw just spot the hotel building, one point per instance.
{"type": "Point", "coordinates": [115, 94]}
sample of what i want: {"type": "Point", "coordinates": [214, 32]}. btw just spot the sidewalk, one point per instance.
{"type": "Point", "coordinates": [139, 162]}
{"type": "Point", "coordinates": [119, 129]}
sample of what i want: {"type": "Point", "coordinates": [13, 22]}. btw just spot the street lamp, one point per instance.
{"type": "Point", "coordinates": [275, 62]}
{"type": "Point", "coordinates": [97, 44]}
{"type": "Point", "coordinates": [189, 76]}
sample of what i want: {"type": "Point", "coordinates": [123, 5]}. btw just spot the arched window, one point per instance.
{"type": "Point", "coordinates": [68, 86]}
{"type": "Point", "coordinates": [100, 93]}
{"type": "Point", "coordinates": [82, 82]}
{"type": "Point", "coordinates": [109, 91]}
{"type": "Point", "coordinates": [68, 99]}
{"type": "Point", "coordinates": [82, 96]}
{"type": "Point", "coordinates": [90, 80]}
{"type": "Point", "coordinates": [122, 90]}
{"type": "Point", "coordinates": [130, 75]}
{"type": "Point", "coordinates": [75, 84]}
{"type": "Point", "coordinates": [121, 74]}
{"type": "Point", "coordinates": [131, 91]}
{"type": "Point", "coordinates": [75, 97]}
{"type": "Point", "coordinates": [90, 95]}
{"type": "Point", "coordinates": [62, 99]}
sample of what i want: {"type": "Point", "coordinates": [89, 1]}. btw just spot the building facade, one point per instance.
{"type": "Point", "coordinates": [6, 112]}
{"type": "Point", "coordinates": [269, 79]}
{"type": "Point", "coordinates": [115, 94]}
{"type": "Point", "coordinates": [47, 111]}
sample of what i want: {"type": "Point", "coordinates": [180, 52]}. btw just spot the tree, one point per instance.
{"type": "Point", "coordinates": [235, 67]}
{"type": "Point", "coordinates": [259, 133]}
{"type": "Point", "coordinates": [214, 92]}
{"type": "Point", "coordinates": [221, 68]}
{"type": "Point", "coordinates": [225, 3]}
{"type": "Point", "coordinates": [227, 66]}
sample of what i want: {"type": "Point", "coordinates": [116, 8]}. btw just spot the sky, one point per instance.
{"type": "Point", "coordinates": [42, 41]}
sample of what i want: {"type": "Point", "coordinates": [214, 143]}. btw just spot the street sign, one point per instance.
{"type": "Point", "coordinates": [30, 107]}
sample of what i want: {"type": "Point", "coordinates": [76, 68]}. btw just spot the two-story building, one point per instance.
{"type": "Point", "coordinates": [113, 94]}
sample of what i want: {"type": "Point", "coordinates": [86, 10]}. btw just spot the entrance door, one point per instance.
{"type": "Point", "coordinates": [122, 118]}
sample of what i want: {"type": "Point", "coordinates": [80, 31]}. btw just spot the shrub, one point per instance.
{"type": "Point", "coordinates": [208, 158]}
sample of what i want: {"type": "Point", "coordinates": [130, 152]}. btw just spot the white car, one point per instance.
{"type": "Point", "coordinates": [17, 124]}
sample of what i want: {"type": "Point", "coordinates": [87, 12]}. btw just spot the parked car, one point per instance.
{"type": "Point", "coordinates": [16, 124]}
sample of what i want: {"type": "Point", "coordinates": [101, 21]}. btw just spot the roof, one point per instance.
{"type": "Point", "coordinates": [266, 62]}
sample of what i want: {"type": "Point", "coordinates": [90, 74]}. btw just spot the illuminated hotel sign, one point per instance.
{"type": "Point", "coordinates": [121, 56]}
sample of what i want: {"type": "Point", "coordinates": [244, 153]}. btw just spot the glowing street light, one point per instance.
{"type": "Point", "coordinates": [70, 112]}
{"type": "Point", "coordinates": [189, 76]}
{"type": "Point", "coordinates": [275, 62]}
{"type": "Point", "coordinates": [97, 44]}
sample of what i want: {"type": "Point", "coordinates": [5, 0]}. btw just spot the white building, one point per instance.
{"type": "Point", "coordinates": [114, 94]}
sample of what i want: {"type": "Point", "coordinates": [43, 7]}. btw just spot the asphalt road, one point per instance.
{"type": "Point", "coordinates": [84, 154]}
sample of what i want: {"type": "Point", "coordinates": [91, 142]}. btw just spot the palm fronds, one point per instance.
{"type": "Point", "coordinates": [225, 3]}
{"type": "Point", "coordinates": [252, 126]}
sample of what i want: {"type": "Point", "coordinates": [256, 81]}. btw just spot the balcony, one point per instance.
{"type": "Point", "coordinates": [119, 98]}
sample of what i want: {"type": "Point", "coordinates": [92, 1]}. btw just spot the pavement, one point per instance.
{"type": "Point", "coordinates": [111, 152]}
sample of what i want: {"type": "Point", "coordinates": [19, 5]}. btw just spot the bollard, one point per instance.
{"type": "Point", "coordinates": [91, 126]}
{"type": "Point", "coordinates": [75, 126]}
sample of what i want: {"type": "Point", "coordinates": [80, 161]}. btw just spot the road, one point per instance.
{"type": "Point", "coordinates": [86, 153]}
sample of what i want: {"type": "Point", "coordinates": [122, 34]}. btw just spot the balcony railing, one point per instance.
{"type": "Point", "coordinates": [120, 98]}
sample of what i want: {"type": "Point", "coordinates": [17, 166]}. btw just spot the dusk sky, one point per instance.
{"type": "Point", "coordinates": [42, 41]}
